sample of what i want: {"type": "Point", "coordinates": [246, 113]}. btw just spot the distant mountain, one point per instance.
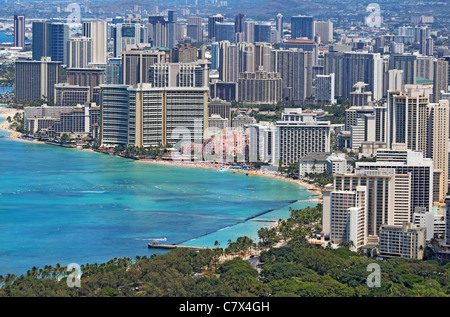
{"type": "Point", "coordinates": [125, 6]}
{"type": "Point", "coordinates": [270, 8]}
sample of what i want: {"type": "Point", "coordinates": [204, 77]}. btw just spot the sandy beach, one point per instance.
{"type": "Point", "coordinates": [6, 112]}
{"type": "Point", "coordinates": [316, 191]}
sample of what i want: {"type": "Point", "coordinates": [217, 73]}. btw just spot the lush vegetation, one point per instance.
{"type": "Point", "coordinates": [7, 75]}
{"type": "Point", "coordinates": [296, 269]}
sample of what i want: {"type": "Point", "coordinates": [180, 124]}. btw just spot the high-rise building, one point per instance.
{"type": "Point", "coordinates": [19, 30]}
{"type": "Point", "coordinates": [126, 34]}
{"type": "Point", "coordinates": [212, 26]}
{"type": "Point", "coordinates": [246, 57]}
{"type": "Point", "coordinates": [220, 107]}
{"type": "Point", "coordinates": [92, 77]}
{"type": "Point", "coordinates": [408, 162]}
{"type": "Point", "coordinates": [279, 26]}
{"type": "Point", "coordinates": [324, 89]}
{"type": "Point", "coordinates": [224, 31]}
{"type": "Point", "coordinates": [406, 241]}
{"type": "Point", "coordinates": [35, 80]}
{"type": "Point", "coordinates": [260, 87]}
{"type": "Point", "coordinates": [193, 74]}
{"type": "Point", "coordinates": [184, 53]}
{"type": "Point", "coordinates": [352, 67]}
{"type": "Point", "coordinates": [80, 52]}
{"type": "Point", "coordinates": [407, 63]}
{"type": "Point", "coordinates": [159, 32]}
{"type": "Point", "coordinates": [348, 209]}
{"type": "Point", "coordinates": [239, 23]}
{"type": "Point", "coordinates": [386, 193]}
{"type": "Point", "coordinates": [172, 23]}
{"type": "Point", "coordinates": [215, 55]}
{"type": "Point", "coordinates": [156, 115]}
{"type": "Point", "coordinates": [113, 71]}
{"type": "Point", "coordinates": [440, 78]}
{"type": "Point", "coordinates": [295, 139]}
{"type": "Point", "coordinates": [98, 33]}
{"type": "Point", "coordinates": [359, 96]}
{"type": "Point", "coordinates": [423, 41]}
{"type": "Point", "coordinates": [249, 30]}
{"type": "Point", "coordinates": [262, 138]}
{"type": "Point", "coordinates": [425, 67]}
{"type": "Point", "coordinates": [194, 29]}
{"type": "Point", "coordinates": [324, 29]}
{"type": "Point", "coordinates": [295, 67]}
{"type": "Point", "coordinates": [407, 120]}
{"type": "Point", "coordinates": [114, 115]}
{"type": "Point", "coordinates": [136, 64]}
{"type": "Point", "coordinates": [68, 95]}
{"type": "Point", "coordinates": [438, 127]}
{"type": "Point", "coordinates": [262, 32]}
{"type": "Point", "coordinates": [50, 40]}
{"type": "Point", "coordinates": [302, 27]}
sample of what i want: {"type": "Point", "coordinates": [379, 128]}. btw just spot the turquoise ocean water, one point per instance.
{"type": "Point", "coordinates": [66, 206]}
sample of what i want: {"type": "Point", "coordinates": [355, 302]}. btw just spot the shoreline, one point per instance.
{"type": "Point", "coordinates": [314, 190]}
{"type": "Point", "coordinates": [6, 112]}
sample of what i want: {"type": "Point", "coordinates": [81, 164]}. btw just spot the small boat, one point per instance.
{"type": "Point", "coordinates": [222, 169]}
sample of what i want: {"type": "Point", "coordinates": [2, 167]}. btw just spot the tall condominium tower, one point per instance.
{"type": "Point", "coordinates": [80, 52]}
{"type": "Point", "coordinates": [172, 23]}
{"type": "Point", "coordinates": [19, 30]}
{"type": "Point", "coordinates": [438, 127]}
{"type": "Point", "coordinates": [440, 78]}
{"type": "Point", "coordinates": [97, 31]}
{"type": "Point", "coordinates": [224, 31]}
{"type": "Point", "coordinates": [279, 26]}
{"type": "Point", "coordinates": [239, 23]}
{"type": "Point", "coordinates": [407, 63]}
{"type": "Point", "coordinates": [136, 63]}
{"type": "Point", "coordinates": [114, 114]}
{"type": "Point", "coordinates": [249, 31]}
{"type": "Point", "coordinates": [126, 34]}
{"type": "Point", "coordinates": [408, 162]}
{"type": "Point", "coordinates": [35, 80]}
{"type": "Point", "coordinates": [324, 29]}
{"type": "Point", "coordinates": [352, 67]}
{"type": "Point", "coordinates": [302, 26]}
{"type": "Point", "coordinates": [159, 37]}
{"type": "Point", "coordinates": [156, 113]}
{"type": "Point", "coordinates": [260, 87]}
{"type": "Point", "coordinates": [212, 25]}
{"type": "Point", "coordinates": [295, 67]}
{"type": "Point", "coordinates": [262, 32]}
{"type": "Point", "coordinates": [50, 40]}
{"type": "Point", "coordinates": [407, 120]}
{"type": "Point", "coordinates": [296, 139]}
{"type": "Point", "coordinates": [194, 29]}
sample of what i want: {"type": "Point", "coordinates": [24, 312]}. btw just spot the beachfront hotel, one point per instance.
{"type": "Point", "coordinates": [114, 115]}
{"type": "Point", "coordinates": [295, 139]}
{"type": "Point", "coordinates": [156, 115]}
